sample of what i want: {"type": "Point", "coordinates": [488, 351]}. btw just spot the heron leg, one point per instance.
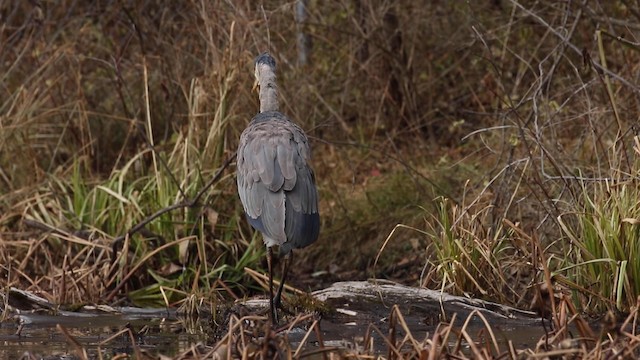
{"type": "Point", "coordinates": [285, 270]}
{"type": "Point", "coordinates": [272, 310]}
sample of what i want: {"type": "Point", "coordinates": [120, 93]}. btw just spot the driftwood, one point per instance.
{"type": "Point", "coordinates": [380, 295]}
{"type": "Point", "coordinates": [360, 303]}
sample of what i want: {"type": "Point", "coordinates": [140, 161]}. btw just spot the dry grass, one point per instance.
{"type": "Point", "coordinates": [499, 135]}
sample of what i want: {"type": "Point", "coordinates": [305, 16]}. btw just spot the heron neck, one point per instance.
{"type": "Point", "coordinates": [268, 92]}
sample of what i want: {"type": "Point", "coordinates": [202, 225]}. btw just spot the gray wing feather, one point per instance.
{"type": "Point", "coordinates": [286, 165]}
{"type": "Point", "coordinates": [275, 183]}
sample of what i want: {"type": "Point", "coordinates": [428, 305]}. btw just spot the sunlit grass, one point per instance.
{"type": "Point", "coordinates": [468, 257]}
{"type": "Point", "coordinates": [605, 237]}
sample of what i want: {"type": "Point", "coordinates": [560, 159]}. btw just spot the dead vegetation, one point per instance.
{"type": "Point", "coordinates": [467, 146]}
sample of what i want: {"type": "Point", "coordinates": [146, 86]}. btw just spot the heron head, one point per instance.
{"type": "Point", "coordinates": [264, 63]}
{"type": "Point", "coordinates": [265, 59]}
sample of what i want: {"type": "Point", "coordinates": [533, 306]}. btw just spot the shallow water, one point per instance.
{"type": "Point", "coordinates": [345, 329]}
{"type": "Point", "coordinates": [156, 331]}
{"type": "Point", "coordinates": [163, 333]}
{"type": "Point", "coordinates": [359, 308]}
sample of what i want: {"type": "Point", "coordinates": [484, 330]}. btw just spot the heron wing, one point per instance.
{"type": "Point", "coordinates": [275, 183]}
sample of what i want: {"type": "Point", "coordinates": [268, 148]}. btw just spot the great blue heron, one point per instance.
{"type": "Point", "coordinates": [276, 185]}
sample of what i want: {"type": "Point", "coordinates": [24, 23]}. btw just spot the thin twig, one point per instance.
{"type": "Point", "coordinates": [572, 46]}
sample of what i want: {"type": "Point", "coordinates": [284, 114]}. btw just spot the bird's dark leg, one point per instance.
{"type": "Point", "coordinates": [272, 310]}
{"type": "Point", "coordinates": [285, 271]}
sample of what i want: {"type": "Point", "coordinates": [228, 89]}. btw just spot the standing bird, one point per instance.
{"type": "Point", "coordinates": [276, 185]}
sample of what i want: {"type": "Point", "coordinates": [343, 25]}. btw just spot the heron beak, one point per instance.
{"type": "Point", "coordinates": [255, 85]}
